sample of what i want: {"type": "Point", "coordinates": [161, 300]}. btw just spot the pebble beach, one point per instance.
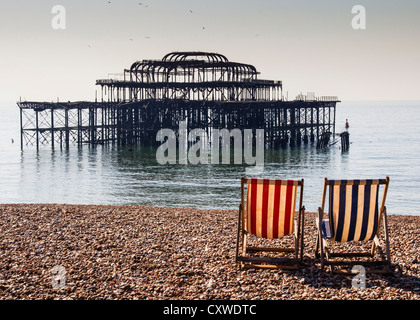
{"type": "Point", "coordinates": [157, 253]}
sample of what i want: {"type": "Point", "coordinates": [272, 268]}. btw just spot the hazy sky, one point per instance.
{"type": "Point", "coordinates": [309, 45]}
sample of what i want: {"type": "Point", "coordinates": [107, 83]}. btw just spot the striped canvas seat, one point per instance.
{"type": "Point", "coordinates": [270, 212]}
{"type": "Point", "coordinates": [353, 209]}
{"type": "Point", "coordinates": [270, 207]}
{"type": "Point", "coordinates": [354, 214]}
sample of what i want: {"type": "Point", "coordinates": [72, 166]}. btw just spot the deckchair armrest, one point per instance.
{"type": "Point", "coordinates": [319, 218]}
{"type": "Point", "coordinates": [326, 229]}
{"type": "Point", "coordinates": [323, 224]}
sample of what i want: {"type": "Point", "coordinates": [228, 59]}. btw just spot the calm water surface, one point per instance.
{"type": "Point", "coordinates": [384, 141]}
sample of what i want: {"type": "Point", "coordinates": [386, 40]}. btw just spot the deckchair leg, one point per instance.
{"type": "Point", "coordinates": [320, 242]}
{"type": "Point", "coordinates": [239, 231]}
{"type": "Point", "coordinates": [302, 222]}
{"type": "Point", "coordinates": [241, 237]}
{"type": "Point", "coordinates": [322, 256]}
{"type": "Point", "coordinates": [373, 248]}
{"type": "Point", "coordinates": [296, 236]}
{"type": "Point", "coordinates": [244, 243]}
{"type": "Point", "coordinates": [376, 243]}
{"type": "Point", "coordinates": [388, 255]}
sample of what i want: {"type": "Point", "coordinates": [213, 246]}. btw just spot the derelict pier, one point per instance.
{"type": "Point", "coordinates": [204, 89]}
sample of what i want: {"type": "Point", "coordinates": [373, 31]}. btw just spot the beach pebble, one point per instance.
{"type": "Point", "coordinates": [135, 252]}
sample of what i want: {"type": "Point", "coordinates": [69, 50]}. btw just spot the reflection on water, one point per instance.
{"type": "Point", "coordinates": [117, 175]}
{"type": "Point", "coordinates": [384, 142]}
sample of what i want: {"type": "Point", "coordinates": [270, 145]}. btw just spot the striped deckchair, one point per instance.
{"type": "Point", "coordinates": [353, 215]}
{"type": "Point", "coordinates": [269, 213]}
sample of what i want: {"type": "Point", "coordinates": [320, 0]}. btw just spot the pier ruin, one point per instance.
{"type": "Point", "coordinates": [204, 89]}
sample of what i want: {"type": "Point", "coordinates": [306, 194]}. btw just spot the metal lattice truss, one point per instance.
{"type": "Point", "coordinates": [138, 122]}
{"type": "Point", "coordinates": [204, 89]}
{"type": "Point", "coordinates": [191, 76]}
{"type": "Point", "coordinates": [65, 123]}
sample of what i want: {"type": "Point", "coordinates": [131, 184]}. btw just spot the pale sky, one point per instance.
{"type": "Point", "coordinates": [309, 45]}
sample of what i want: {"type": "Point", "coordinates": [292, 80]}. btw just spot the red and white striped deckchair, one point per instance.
{"type": "Point", "coordinates": [354, 215]}
{"type": "Point", "coordinates": [270, 212]}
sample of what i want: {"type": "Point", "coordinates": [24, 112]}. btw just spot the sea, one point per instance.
{"type": "Point", "coordinates": [384, 141]}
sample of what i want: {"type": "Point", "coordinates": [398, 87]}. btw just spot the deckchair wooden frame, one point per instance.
{"type": "Point", "coordinates": [327, 256]}
{"type": "Point", "coordinates": [242, 249]}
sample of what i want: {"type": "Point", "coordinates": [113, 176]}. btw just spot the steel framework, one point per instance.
{"type": "Point", "coordinates": [204, 89]}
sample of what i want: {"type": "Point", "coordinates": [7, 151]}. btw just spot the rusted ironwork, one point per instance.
{"type": "Point", "coordinates": [205, 89]}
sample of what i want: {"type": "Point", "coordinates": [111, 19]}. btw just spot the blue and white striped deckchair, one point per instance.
{"type": "Point", "coordinates": [353, 215]}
